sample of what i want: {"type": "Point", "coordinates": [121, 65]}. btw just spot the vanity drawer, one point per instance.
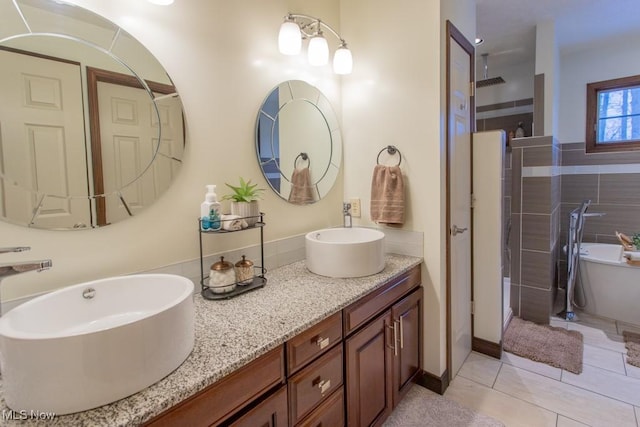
{"type": "Point", "coordinates": [226, 397]}
{"type": "Point", "coordinates": [313, 342]}
{"type": "Point", "coordinates": [272, 412]}
{"type": "Point", "coordinates": [314, 383]}
{"type": "Point", "coordinates": [368, 307]}
{"type": "Point", "coordinates": [329, 414]}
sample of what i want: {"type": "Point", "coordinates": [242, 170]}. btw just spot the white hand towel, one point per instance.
{"type": "Point", "coordinates": [233, 222]}
{"type": "Point", "coordinates": [632, 255]}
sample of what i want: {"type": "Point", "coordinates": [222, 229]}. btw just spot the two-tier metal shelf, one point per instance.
{"type": "Point", "coordinates": [259, 271]}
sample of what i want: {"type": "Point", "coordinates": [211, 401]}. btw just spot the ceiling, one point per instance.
{"type": "Point", "coordinates": [508, 26]}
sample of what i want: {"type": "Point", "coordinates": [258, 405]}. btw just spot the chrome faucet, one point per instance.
{"type": "Point", "coordinates": [346, 213]}
{"type": "Point", "coordinates": [14, 268]}
{"type": "Point", "coordinates": [14, 249]}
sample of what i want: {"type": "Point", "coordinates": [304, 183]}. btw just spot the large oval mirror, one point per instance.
{"type": "Point", "coordinates": [91, 126]}
{"type": "Point", "coordinates": [298, 142]}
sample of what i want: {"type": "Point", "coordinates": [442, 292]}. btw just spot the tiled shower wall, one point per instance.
{"type": "Point", "coordinates": [535, 226]}
{"type": "Point", "coordinates": [506, 215]}
{"type": "Point", "coordinates": [502, 116]}
{"type": "Point", "coordinates": [612, 182]}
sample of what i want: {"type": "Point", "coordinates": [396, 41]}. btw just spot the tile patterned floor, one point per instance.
{"type": "Point", "coordinates": [520, 392]}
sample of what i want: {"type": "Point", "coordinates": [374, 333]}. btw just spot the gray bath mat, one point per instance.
{"type": "Point", "coordinates": [423, 408]}
{"type": "Point", "coordinates": [632, 343]}
{"type": "Point", "coordinates": [557, 347]}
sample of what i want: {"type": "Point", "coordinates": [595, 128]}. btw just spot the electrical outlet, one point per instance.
{"type": "Point", "coordinates": [355, 208]}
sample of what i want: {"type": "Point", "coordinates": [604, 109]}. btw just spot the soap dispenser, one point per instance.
{"type": "Point", "coordinates": [210, 210]}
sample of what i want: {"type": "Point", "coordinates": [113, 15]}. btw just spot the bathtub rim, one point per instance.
{"type": "Point", "coordinates": [590, 258]}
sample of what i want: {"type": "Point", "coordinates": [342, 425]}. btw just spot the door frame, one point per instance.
{"type": "Point", "coordinates": [95, 75]}
{"type": "Point", "coordinates": [453, 34]}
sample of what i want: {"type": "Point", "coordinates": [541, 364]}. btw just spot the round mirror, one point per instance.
{"type": "Point", "coordinates": [91, 126]}
{"type": "Point", "coordinates": [298, 142]}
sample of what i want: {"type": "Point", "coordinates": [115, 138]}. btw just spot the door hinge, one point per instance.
{"type": "Point", "coordinates": [473, 201]}
{"type": "Point", "coordinates": [473, 307]}
{"type": "Point", "coordinates": [472, 88]}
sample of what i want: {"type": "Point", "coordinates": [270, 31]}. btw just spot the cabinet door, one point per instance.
{"type": "Point", "coordinates": [407, 321]}
{"type": "Point", "coordinates": [272, 412]}
{"type": "Point", "coordinates": [369, 358]}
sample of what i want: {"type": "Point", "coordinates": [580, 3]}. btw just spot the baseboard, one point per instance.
{"type": "Point", "coordinates": [486, 347]}
{"type": "Point", "coordinates": [436, 384]}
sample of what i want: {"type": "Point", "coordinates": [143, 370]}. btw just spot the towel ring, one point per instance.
{"type": "Point", "coordinates": [304, 156]}
{"type": "Point", "coordinates": [391, 150]}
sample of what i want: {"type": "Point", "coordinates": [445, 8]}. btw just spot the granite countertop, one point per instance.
{"type": "Point", "coordinates": [231, 333]}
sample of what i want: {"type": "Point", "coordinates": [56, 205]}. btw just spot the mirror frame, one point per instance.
{"type": "Point", "coordinates": [322, 184]}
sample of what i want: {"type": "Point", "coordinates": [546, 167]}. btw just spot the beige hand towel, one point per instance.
{"type": "Point", "coordinates": [387, 195]}
{"type": "Point", "coordinates": [301, 188]}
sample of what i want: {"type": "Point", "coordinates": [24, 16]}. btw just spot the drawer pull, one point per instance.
{"type": "Point", "coordinates": [324, 386]}
{"type": "Point", "coordinates": [322, 342]}
{"type": "Point", "coordinates": [401, 333]}
{"type": "Point", "coordinates": [394, 347]}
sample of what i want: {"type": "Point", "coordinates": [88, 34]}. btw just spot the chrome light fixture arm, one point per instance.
{"type": "Point", "coordinates": [309, 22]}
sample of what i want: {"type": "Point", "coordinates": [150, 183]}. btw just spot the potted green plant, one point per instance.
{"type": "Point", "coordinates": [244, 200]}
{"type": "Point", "coordinates": [636, 241]}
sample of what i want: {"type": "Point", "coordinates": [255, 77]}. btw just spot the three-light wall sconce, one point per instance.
{"type": "Point", "coordinates": [297, 27]}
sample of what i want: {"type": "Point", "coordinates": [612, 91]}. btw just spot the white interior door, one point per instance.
{"type": "Point", "coordinates": [42, 141]}
{"type": "Point", "coordinates": [459, 129]}
{"type": "Point", "coordinates": [129, 136]}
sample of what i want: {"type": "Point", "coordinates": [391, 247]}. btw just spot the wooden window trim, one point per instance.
{"type": "Point", "coordinates": [592, 115]}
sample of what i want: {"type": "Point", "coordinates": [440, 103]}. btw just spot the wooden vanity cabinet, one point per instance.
{"type": "Point", "coordinates": [382, 355]}
{"type": "Point", "coordinates": [353, 367]}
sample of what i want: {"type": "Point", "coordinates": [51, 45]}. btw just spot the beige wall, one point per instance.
{"type": "Point", "coordinates": [223, 58]}
{"type": "Point", "coordinates": [394, 97]}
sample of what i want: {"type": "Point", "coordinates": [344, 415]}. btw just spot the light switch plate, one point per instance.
{"type": "Point", "coordinates": [355, 208]}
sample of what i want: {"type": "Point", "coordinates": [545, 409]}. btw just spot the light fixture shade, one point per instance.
{"type": "Point", "coordinates": [161, 2]}
{"type": "Point", "coordinates": [318, 51]}
{"type": "Point", "coordinates": [342, 61]}
{"type": "Point", "coordinates": [289, 38]}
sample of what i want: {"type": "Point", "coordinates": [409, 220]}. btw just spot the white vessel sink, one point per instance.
{"type": "Point", "coordinates": [345, 252]}
{"type": "Point", "coordinates": [91, 344]}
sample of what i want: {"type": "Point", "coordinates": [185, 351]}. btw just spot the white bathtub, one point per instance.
{"type": "Point", "coordinates": [611, 286]}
